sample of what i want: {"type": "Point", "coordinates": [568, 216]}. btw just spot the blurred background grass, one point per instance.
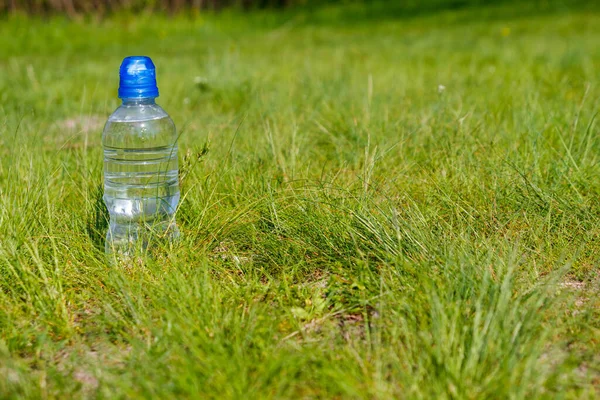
{"type": "Point", "coordinates": [75, 8]}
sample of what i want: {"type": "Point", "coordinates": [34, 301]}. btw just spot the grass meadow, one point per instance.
{"type": "Point", "coordinates": [375, 204]}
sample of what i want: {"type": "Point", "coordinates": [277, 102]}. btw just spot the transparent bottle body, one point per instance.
{"type": "Point", "coordinates": [141, 185]}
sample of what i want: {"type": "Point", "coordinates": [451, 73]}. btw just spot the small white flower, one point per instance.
{"type": "Point", "coordinates": [186, 100]}
{"type": "Point", "coordinates": [441, 88]}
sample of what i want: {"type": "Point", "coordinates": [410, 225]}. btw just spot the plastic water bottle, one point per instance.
{"type": "Point", "coordinates": [141, 185]}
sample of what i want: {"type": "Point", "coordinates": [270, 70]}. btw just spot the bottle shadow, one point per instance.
{"type": "Point", "coordinates": [97, 217]}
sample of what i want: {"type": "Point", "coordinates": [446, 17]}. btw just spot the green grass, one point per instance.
{"type": "Point", "coordinates": [389, 207]}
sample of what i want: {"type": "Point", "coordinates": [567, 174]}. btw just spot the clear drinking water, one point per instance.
{"type": "Point", "coordinates": [141, 185]}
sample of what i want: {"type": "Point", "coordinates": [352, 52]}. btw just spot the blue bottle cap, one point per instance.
{"type": "Point", "coordinates": [138, 78]}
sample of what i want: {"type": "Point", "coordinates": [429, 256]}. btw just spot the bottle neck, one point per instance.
{"type": "Point", "coordinates": [139, 101]}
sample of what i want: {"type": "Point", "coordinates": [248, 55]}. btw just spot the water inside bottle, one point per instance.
{"type": "Point", "coordinates": [141, 187]}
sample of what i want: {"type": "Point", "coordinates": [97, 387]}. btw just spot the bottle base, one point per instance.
{"type": "Point", "coordinates": [131, 239]}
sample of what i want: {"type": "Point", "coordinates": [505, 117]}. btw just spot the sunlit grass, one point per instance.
{"type": "Point", "coordinates": [380, 208]}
